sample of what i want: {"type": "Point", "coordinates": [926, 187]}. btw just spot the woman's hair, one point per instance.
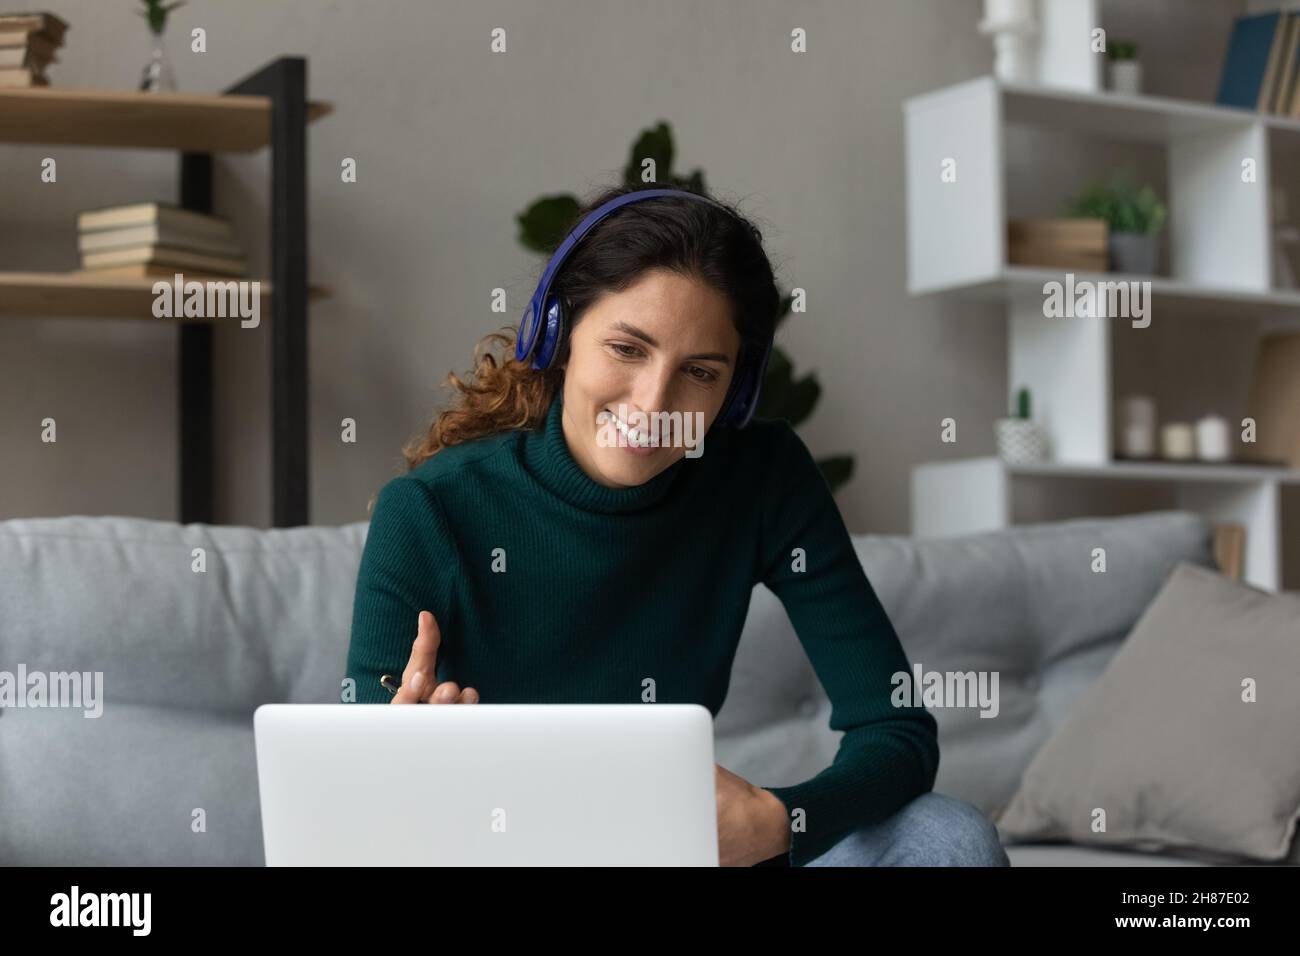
{"type": "Point", "coordinates": [719, 247]}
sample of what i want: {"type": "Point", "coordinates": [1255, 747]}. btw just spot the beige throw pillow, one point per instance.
{"type": "Point", "coordinates": [1191, 736]}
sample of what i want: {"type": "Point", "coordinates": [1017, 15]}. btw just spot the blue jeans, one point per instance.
{"type": "Point", "coordinates": [932, 830]}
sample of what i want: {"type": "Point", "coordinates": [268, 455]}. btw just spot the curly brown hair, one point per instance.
{"type": "Point", "coordinates": [715, 244]}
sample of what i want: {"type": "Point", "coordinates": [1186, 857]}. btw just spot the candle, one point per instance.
{"type": "Point", "coordinates": [1138, 427]}
{"type": "Point", "coordinates": [1178, 441]}
{"type": "Point", "coordinates": [1212, 439]}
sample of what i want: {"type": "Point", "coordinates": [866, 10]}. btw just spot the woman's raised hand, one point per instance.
{"type": "Point", "coordinates": [420, 679]}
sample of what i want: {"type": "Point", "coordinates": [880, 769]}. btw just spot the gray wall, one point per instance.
{"type": "Point", "coordinates": [451, 141]}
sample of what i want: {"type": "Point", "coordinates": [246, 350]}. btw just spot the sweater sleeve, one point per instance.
{"type": "Point", "coordinates": [889, 754]}
{"type": "Point", "coordinates": [406, 567]}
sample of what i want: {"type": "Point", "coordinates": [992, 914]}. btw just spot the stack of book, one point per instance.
{"type": "Point", "coordinates": [1060, 243]}
{"type": "Point", "coordinates": [1262, 67]}
{"type": "Point", "coordinates": [27, 45]}
{"type": "Point", "coordinates": [155, 239]}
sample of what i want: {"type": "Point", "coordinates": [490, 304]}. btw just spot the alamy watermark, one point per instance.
{"type": "Point", "coordinates": [208, 300]}
{"type": "Point", "coordinates": [129, 910]}
{"type": "Point", "coordinates": [72, 689]}
{"type": "Point", "coordinates": [640, 429]}
{"type": "Point", "coordinates": [1129, 299]}
{"type": "Point", "coordinates": [946, 689]}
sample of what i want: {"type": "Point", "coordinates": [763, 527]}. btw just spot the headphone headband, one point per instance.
{"type": "Point", "coordinates": [545, 314]}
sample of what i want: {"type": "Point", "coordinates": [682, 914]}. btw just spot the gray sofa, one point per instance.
{"type": "Point", "coordinates": [167, 775]}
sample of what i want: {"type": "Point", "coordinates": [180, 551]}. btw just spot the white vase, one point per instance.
{"type": "Point", "coordinates": [1014, 28]}
{"type": "Point", "coordinates": [1020, 441]}
{"type": "Point", "coordinates": [1137, 427]}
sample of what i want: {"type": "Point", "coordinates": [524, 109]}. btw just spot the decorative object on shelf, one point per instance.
{"type": "Point", "coordinates": [1274, 402]}
{"type": "Point", "coordinates": [1230, 549]}
{"type": "Point", "coordinates": [1124, 70]}
{"type": "Point", "coordinates": [1212, 439]}
{"type": "Point", "coordinates": [1058, 243]}
{"type": "Point", "coordinates": [1284, 99]}
{"type": "Point", "coordinates": [1038, 41]}
{"type": "Point", "coordinates": [1259, 71]}
{"type": "Point", "coordinates": [1177, 442]}
{"type": "Point", "coordinates": [27, 45]}
{"type": "Point", "coordinates": [1137, 428]}
{"type": "Point", "coordinates": [1286, 244]}
{"type": "Point", "coordinates": [1013, 24]}
{"type": "Point", "coordinates": [546, 221]}
{"type": "Point", "coordinates": [1020, 441]}
{"type": "Point", "coordinates": [157, 240]}
{"type": "Point", "coordinates": [1135, 216]}
{"type": "Point", "coordinates": [158, 73]}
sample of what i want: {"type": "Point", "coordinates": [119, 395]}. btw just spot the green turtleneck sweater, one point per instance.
{"type": "Point", "coordinates": [603, 587]}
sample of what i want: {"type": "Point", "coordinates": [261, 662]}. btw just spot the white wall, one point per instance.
{"type": "Point", "coordinates": [452, 141]}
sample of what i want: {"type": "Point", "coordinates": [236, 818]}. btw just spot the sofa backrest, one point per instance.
{"type": "Point", "coordinates": [167, 775]}
{"type": "Point", "coordinates": [267, 618]}
{"type": "Point", "coordinates": [1025, 604]}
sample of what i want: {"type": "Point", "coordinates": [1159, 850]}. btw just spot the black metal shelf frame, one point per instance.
{"type": "Point", "coordinates": [284, 81]}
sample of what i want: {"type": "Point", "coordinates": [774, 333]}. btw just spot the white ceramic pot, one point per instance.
{"type": "Point", "coordinates": [1020, 441]}
{"type": "Point", "coordinates": [1126, 76]}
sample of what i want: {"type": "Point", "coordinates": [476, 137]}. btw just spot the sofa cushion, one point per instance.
{"type": "Point", "coordinates": [1069, 854]}
{"type": "Point", "coordinates": [1023, 603]}
{"type": "Point", "coordinates": [186, 656]}
{"type": "Point", "coordinates": [1190, 736]}
{"type": "Point", "coordinates": [122, 789]}
{"type": "Point", "coordinates": [268, 620]}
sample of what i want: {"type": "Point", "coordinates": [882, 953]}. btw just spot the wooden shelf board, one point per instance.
{"type": "Point", "coordinates": [51, 294]}
{"type": "Point", "coordinates": [193, 122]}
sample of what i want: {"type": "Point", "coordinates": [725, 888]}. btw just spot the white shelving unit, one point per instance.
{"type": "Point", "coordinates": [981, 494]}
{"type": "Point", "coordinates": [1220, 262]}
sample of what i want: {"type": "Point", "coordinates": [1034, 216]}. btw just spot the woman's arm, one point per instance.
{"type": "Point", "coordinates": [406, 567]}
{"type": "Point", "coordinates": [889, 754]}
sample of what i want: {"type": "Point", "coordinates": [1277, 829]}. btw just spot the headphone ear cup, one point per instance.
{"type": "Point", "coordinates": [552, 332]}
{"type": "Point", "coordinates": [743, 403]}
{"type": "Point", "coordinates": [526, 340]}
{"type": "Point", "coordinates": [727, 415]}
{"type": "Point", "coordinates": [739, 401]}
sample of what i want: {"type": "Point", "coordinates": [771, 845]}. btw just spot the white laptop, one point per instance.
{"type": "Point", "coordinates": [486, 784]}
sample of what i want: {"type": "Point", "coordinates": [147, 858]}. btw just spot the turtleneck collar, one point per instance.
{"type": "Point", "coordinates": [547, 457]}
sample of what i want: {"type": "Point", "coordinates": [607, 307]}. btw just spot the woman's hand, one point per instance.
{"type": "Point", "coordinates": [420, 679]}
{"type": "Point", "coordinates": [752, 823]}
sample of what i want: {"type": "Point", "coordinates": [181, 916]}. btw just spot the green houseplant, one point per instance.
{"type": "Point", "coordinates": [545, 223]}
{"type": "Point", "coordinates": [1124, 70]}
{"type": "Point", "coordinates": [1134, 216]}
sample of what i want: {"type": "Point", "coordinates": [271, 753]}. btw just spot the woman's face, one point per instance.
{"type": "Point", "coordinates": [665, 344]}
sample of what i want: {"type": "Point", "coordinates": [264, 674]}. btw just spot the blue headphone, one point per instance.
{"type": "Point", "coordinates": [742, 398]}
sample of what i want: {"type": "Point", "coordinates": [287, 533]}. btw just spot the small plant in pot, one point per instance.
{"type": "Point", "coordinates": [1020, 440]}
{"type": "Point", "coordinates": [1124, 69]}
{"type": "Point", "coordinates": [1134, 217]}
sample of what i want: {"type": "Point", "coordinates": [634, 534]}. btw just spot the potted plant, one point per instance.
{"type": "Point", "coordinates": [1134, 216]}
{"type": "Point", "coordinates": [1020, 440]}
{"type": "Point", "coordinates": [1124, 68]}
{"type": "Point", "coordinates": [545, 223]}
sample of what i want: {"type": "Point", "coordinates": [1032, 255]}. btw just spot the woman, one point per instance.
{"type": "Point", "coordinates": [544, 551]}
